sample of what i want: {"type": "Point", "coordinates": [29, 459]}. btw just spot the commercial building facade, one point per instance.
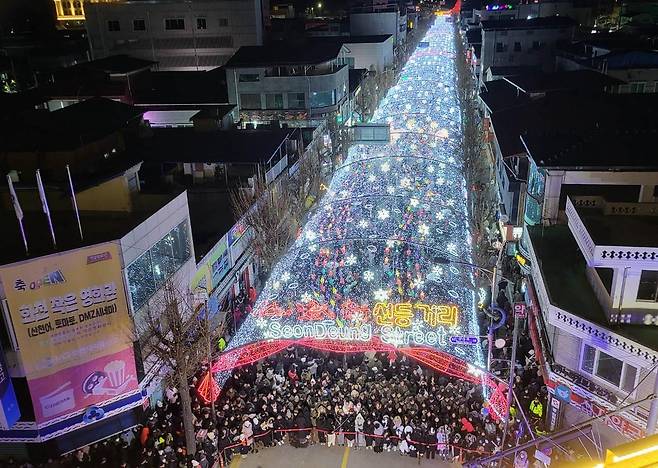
{"type": "Point", "coordinates": [197, 35]}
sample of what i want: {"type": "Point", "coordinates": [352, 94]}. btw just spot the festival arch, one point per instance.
{"type": "Point", "coordinates": [382, 262]}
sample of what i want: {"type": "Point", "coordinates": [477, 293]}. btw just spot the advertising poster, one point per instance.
{"type": "Point", "coordinates": [71, 321]}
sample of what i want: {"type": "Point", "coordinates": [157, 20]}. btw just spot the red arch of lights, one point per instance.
{"type": "Point", "coordinates": [435, 359]}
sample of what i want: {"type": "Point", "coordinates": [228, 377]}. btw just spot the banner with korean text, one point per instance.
{"type": "Point", "coordinates": [70, 317]}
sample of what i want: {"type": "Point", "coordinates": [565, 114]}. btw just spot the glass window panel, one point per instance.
{"type": "Point", "coordinates": [274, 101]}
{"type": "Point", "coordinates": [648, 286]}
{"type": "Point", "coordinates": [322, 99]}
{"type": "Point", "coordinates": [250, 101]}
{"type": "Point", "coordinates": [296, 101]}
{"type": "Point", "coordinates": [589, 354]}
{"type": "Point", "coordinates": [140, 280]}
{"type": "Point", "coordinates": [609, 368]}
{"type": "Point", "coordinates": [629, 378]}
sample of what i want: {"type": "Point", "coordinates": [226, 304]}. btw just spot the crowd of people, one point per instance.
{"type": "Point", "coordinates": [371, 401]}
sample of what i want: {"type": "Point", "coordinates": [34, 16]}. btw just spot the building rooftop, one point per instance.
{"type": "Point", "coordinates": [187, 145]}
{"type": "Point", "coordinates": [622, 230]}
{"type": "Point", "coordinates": [539, 82]}
{"type": "Point", "coordinates": [568, 287]}
{"type": "Point", "coordinates": [284, 53]}
{"type": "Point", "coordinates": [67, 128]}
{"type": "Point", "coordinates": [117, 65]}
{"type": "Point", "coordinates": [97, 226]}
{"type": "Point", "coordinates": [547, 22]}
{"type": "Point", "coordinates": [581, 129]}
{"type": "Point", "coordinates": [622, 60]}
{"type": "Point", "coordinates": [499, 95]}
{"type": "Point", "coordinates": [511, 70]}
{"type": "Point", "coordinates": [377, 39]}
{"type": "Point", "coordinates": [181, 87]}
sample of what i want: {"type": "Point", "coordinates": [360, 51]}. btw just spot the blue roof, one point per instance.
{"type": "Point", "coordinates": [621, 60]}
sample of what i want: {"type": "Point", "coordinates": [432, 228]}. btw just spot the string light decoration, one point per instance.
{"type": "Point", "coordinates": [391, 215]}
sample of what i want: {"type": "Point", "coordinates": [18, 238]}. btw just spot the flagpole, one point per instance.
{"type": "Point", "coordinates": [75, 202]}
{"type": "Point", "coordinates": [44, 205]}
{"type": "Point", "coordinates": [18, 210]}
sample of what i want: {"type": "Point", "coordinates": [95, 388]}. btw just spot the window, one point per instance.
{"type": "Point", "coordinates": [147, 273]}
{"type": "Point", "coordinates": [536, 45]}
{"type": "Point", "coordinates": [113, 25]}
{"type": "Point", "coordinates": [172, 24]}
{"type": "Point", "coordinates": [517, 47]}
{"type": "Point", "coordinates": [503, 33]}
{"type": "Point", "coordinates": [637, 86]}
{"type": "Point", "coordinates": [323, 99]}
{"type": "Point", "coordinates": [223, 22]}
{"type": "Point", "coordinates": [248, 77]}
{"type": "Point", "coordinates": [296, 101]}
{"type": "Point", "coordinates": [648, 288]}
{"type": "Point", "coordinates": [274, 101]}
{"type": "Point", "coordinates": [500, 47]}
{"type": "Point", "coordinates": [201, 23]}
{"type": "Point", "coordinates": [614, 371]}
{"type": "Point", "coordinates": [139, 25]}
{"type": "Point", "coordinates": [250, 101]}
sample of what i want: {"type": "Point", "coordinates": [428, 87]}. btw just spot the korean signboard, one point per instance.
{"type": "Point", "coordinates": [73, 330]}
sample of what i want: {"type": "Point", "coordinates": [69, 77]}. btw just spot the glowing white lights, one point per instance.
{"type": "Point", "coordinates": [368, 275]}
{"type": "Point", "coordinates": [381, 295]}
{"type": "Point", "coordinates": [424, 229]}
{"type": "Point", "coordinates": [350, 260]}
{"type": "Point", "coordinates": [385, 167]}
{"type": "Point", "coordinates": [414, 202]}
{"type": "Point", "coordinates": [306, 297]}
{"type": "Point", "coordinates": [383, 214]}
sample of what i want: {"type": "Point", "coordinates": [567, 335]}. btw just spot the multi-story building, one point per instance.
{"type": "Point", "coordinates": [72, 309]}
{"type": "Point", "coordinates": [179, 35]}
{"type": "Point", "coordinates": [296, 85]}
{"type": "Point", "coordinates": [72, 12]}
{"type": "Point", "coordinates": [374, 17]}
{"type": "Point", "coordinates": [523, 42]}
{"type": "Point", "coordinates": [594, 297]}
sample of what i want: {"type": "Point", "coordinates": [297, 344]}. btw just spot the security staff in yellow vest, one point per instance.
{"type": "Point", "coordinates": [536, 408]}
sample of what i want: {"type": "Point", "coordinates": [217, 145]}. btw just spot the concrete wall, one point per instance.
{"type": "Point", "coordinates": [527, 56]}
{"type": "Point", "coordinates": [555, 179]}
{"type": "Point", "coordinates": [366, 24]}
{"type": "Point", "coordinates": [377, 55]}
{"type": "Point", "coordinates": [338, 81]}
{"type": "Point", "coordinates": [230, 24]}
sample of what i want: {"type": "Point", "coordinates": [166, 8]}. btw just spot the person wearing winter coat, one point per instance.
{"type": "Point", "coordinates": [379, 437]}
{"type": "Point", "coordinates": [359, 421]}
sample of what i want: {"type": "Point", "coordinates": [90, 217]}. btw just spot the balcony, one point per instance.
{"type": "Point", "coordinates": [614, 234]}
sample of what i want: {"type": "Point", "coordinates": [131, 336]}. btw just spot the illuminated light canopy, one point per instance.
{"type": "Point", "coordinates": [366, 267]}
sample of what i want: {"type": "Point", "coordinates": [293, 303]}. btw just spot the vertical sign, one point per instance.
{"type": "Point", "coordinates": [519, 310]}
{"type": "Point", "coordinates": [554, 413]}
{"type": "Point", "coordinates": [9, 410]}
{"type": "Point", "coordinates": [74, 333]}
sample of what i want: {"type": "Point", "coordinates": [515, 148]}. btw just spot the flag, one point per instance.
{"type": "Point", "coordinates": [17, 209]}
{"type": "Point", "coordinates": [14, 199]}
{"type": "Point", "coordinates": [44, 205]}
{"type": "Point", "coordinates": [75, 202]}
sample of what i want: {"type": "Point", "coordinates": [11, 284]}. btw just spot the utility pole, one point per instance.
{"type": "Point", "coordinates": [512, 374]}
{"type": "Point", "coordinates": [653, 412]}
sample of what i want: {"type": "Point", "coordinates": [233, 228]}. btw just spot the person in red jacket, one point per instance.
{"type": "Point", "coordinates": [144, 435]}
{"type": "Point", "coordinates": [467, 425]}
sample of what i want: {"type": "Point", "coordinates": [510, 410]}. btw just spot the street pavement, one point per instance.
{"type": "Point", "coordinates": [319, 456]}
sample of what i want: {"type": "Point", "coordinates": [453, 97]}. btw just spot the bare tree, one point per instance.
{"type": "Point", "coordinates": [478, 167]}
{"type": "Point", "coordinates": [178, 337]}
{"type": "Point", "coordinates": [268, 212]}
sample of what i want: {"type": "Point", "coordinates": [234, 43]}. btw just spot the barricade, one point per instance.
{"type": "Point", "coordinates": [455, 452]}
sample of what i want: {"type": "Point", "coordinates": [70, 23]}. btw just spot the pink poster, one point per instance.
{"type": "Point", "coordinates": [76, 388]}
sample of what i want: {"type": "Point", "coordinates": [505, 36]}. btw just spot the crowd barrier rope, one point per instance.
{"type": "Point", "coordinates": [445, 447]}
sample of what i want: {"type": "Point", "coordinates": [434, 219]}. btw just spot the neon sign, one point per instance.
{"type": "Point", "coordinates": [401, 315]}
{"type": "Point", "coordinates": [400, 324]}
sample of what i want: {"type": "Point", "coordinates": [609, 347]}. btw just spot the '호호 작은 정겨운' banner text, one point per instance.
{"type": "Point", "coordinates": [70, 318]}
